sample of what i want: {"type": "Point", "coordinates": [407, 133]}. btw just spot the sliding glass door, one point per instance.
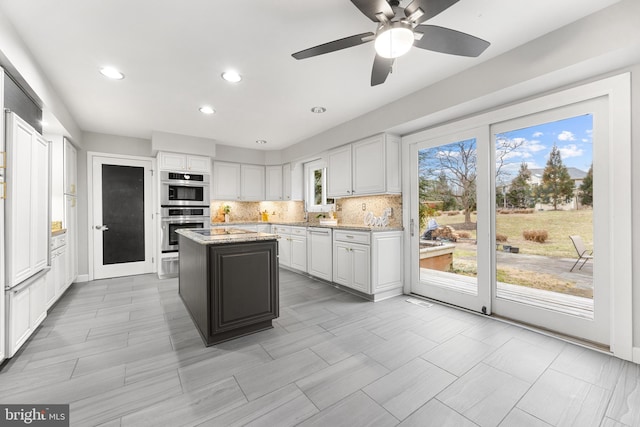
{"type": "Point", "coordinates": [504, 212]}
{"type": "Point", "coordinates": [551, 199]}
{"type": "Point", "coordinates": [449, 245]}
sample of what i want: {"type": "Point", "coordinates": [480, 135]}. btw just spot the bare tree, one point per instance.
{"type": "Point", "coordinates": [456, 161]}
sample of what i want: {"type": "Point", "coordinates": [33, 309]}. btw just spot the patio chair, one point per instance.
{"type": "Point", "coordinates": [583, 253]}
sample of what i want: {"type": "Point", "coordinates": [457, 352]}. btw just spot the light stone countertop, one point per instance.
{"type": "Point", "coordinates": [221, 236]}
{"type": "Point", "coordinates": [355, 227]}
{"type": "Point", "coordinates": [58, 232]}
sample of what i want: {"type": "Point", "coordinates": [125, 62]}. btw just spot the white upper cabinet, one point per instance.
{"type": "Point", "coordinates": [226, 181]}
{"type": "Point", "coordinates": [252, 182]}
{"type": "Point", "coordinates": [274, 183]}
{"type": "Point", "coordinates": [286, 182]}
{"type": "Point", "coordinates": [70, 159]}
{"type": "Point", "coordinates": [27, 206]}
{"type": "Point", "coordinates": [235, 181]}
{"type": "Point", "coordinates": [339, 172]}
{"type": "Point", "coordinates": [198, 164]}
{"type": "Point", "coordinates": [370, 166]}
{"type": "Point", "coordinates": [184, 162]}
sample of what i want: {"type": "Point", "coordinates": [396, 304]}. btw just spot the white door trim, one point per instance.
{"type": "Point", "coordinates": [90, 209]}
{"type": "Point", "coordinates": [618, 91]}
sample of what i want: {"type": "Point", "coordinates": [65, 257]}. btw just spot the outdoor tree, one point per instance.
{"type": "Point", "coordinates": [557, 186]}
{"type": "Point", "coordinates": [519, 194]}
{"type": "Point", "coordinates": [586, 188]}
{"type": "Point", "coordinates": [454, 165]}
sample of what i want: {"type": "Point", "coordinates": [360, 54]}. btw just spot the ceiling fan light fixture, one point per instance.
{"type": "Point", "coordinates": [394, 40]}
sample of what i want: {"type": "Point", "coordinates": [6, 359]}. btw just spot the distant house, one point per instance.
{"type": "Point", "coordinates": [576, 175]}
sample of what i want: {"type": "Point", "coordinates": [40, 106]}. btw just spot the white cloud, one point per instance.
{"type": "Point", "coordinates": [537, 134]}
{"type": "Point", "coordinates": [571, 150]}
{"type": "Point", "coordinates": [565, 135]}
{"type": "Point", "coordinates": [534, 146]}
{"type": "Point", "coordinates": [585, 140]}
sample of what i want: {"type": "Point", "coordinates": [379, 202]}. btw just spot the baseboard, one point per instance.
{"type": "Point", "coordinates": [636, 355]}
{"type": "Point", "coordinates": [82, 278]}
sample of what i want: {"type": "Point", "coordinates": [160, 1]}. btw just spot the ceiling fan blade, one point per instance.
{"type": "Point", "coordinates": [446, 40]}
{"type": "Point", "coordinates": [372, 7]}
{"type": "Point", "coordinates": [430, 8]}
{"type": "Point", "coordinates": [340, 44]}
{"type": "Point", "coordinates": [381, 69]}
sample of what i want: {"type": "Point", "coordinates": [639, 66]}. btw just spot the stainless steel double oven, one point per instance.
{"type": "Point", "coordinates": [175, 218]}
{"type": "Point", "coordinates": [184, 204]}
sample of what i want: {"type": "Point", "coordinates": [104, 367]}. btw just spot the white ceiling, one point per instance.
{"type": "Point", "coordinates": [173, 52]}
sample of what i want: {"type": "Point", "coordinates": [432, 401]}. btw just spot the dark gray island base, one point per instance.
{"type": "Point", "coordinates": [229, 282]}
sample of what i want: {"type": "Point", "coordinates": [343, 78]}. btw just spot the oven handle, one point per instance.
{"type": "Point", "coordinates": [184, 219]}
{"type": "Point", "coordinates": [185, 183]}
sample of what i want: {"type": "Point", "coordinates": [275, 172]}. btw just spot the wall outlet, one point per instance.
{"type": "Point", "coordinates": [364, 206]}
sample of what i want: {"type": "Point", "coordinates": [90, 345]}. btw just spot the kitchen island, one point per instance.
{"type": "Point", "coordinates": [228, 281]}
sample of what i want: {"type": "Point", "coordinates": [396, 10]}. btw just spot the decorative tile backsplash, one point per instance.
{"type": "Point", "coordinates": [252, 211]}
{"type": "Point", "coordinates": [349, 210]}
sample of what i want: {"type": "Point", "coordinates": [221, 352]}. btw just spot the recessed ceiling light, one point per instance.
{"type": "Point", "coordinates": [261, 141]}
{"type": "Point", "coordinates": [205, 109]}
{"type": "Point", "coordinates": [112, 73]}
{"type": "Point", "coordinates": [318, 110]}
{"type": "Point", "coordinates": [231, 76]}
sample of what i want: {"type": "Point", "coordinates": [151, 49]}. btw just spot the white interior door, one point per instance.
{"type": "Point", "coordinates": [122, 216]}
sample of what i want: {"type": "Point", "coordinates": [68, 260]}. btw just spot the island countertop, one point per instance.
{"type": "Point", "coordinates": [223, 235]}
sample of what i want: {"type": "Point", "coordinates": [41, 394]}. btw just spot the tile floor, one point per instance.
{"type": "Point", "coordinates": [124, 352]}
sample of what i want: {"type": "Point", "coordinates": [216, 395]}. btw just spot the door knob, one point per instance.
{"type": "Point", "coordinates": [102, 227]}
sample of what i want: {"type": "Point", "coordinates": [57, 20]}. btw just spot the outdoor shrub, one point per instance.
{"type": "Point", "coordinates": [501, 237]}
{"type": "Point", "coordinates": [452, 213]}
{"type": "Point", "coordinates": [539, 236]}
{"type": "Point", "coordinates": [524, 211]}
{"type": "Point", "coordinates": [464, 234]}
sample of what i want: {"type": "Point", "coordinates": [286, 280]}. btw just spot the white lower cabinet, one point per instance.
{"type": "Point", "coordinates": [320, 253]}
{"type": "Point", "coordinates": [292, 246]}
{"type": "Point", "coordinates": [38, 302]}
{"type": "Point", "coordinates": [369, 262]}
{"type": "Point", "coordinates": [26, 309]}
{"type": "Point", "coordinates": [56, 278]}
{"type": "Point", "coordinates": [351, 264]}
{"type": "Point", "coordinates": [299, 251]}
{"type": "Point", "coordinates": [386, 264]}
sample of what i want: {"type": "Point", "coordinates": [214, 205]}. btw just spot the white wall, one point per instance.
{"type": "Point", "coordinates": [13, 50]}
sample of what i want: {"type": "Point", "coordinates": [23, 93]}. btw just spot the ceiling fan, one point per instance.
{"type": "Point", "coordinates": [398, 30]}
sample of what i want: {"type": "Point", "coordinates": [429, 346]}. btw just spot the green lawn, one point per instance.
{"type": "Point", "coordinates": [558, 224]}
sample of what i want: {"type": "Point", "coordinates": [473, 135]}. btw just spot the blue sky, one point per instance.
{"type": "Point", "coordinates": [573, 137]}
